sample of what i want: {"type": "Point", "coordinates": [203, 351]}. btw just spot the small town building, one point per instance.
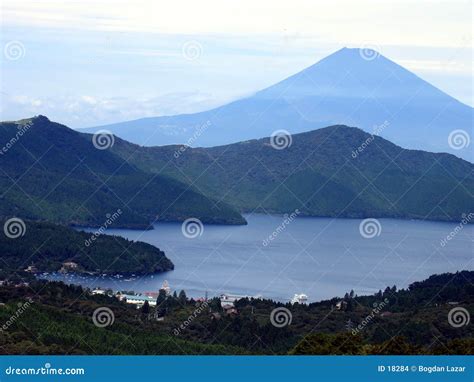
{"type": "Point", "coordinates": [215, 316]}
{"type": "Point", "coordinates": [137, 299]}
{"type": "Point", "coordinates": [299, 299]}
{"type": "Point", "coordinates": [69, 266]}
{"type": "Point", "coordinates": [341, 305]}
{"type": "Point", "coordinates": [31, 269]}
{"type": "Point", "coordinates": [230, 310]}
{"type": "Point", "coordinates": [230, 299]}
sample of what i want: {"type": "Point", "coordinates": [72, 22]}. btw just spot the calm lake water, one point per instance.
{"type": "Point", "coordinates": [320, 257]}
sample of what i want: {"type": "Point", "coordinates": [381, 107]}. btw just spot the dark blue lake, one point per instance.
{"type": "Point", "coordinates": [320, 257]}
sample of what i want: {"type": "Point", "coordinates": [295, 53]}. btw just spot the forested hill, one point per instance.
{"type": "Point", "coordinates": [46, 246]}
{"type": "Point", "coordinates": [50, 172]}
{"type": "Point", "coordinates": [337, 171]}
{"type": "Point", "coordinates": [58, 319]}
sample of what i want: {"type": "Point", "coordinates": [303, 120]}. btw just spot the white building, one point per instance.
{"type": "Point", "coordinates": [137, 299]}
{"type": "Point", "coordinates": [230, 299]}
{"type": "Point", "coordinates": [300, 299]}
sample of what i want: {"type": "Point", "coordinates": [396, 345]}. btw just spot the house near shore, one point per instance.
{"type": "Point", "coordinates": [230, 310]}
{"type": "Point", "coordinates": [31, 269]}
{"type": "Point", "coordinates": [152, 294]}
{"type": "Point", "coordinates": [230, 299]}
{"type": "Point", "coordinates": [69, 266]}
{"type": "Point", "coordinates": [137, 299]}
{"type": "Point", "coordinates": [299, 299]}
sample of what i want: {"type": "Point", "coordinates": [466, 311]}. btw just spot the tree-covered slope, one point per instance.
{"type": "Point", "coordinates": [337, 171]}
{"type": "Point", "coordinates": [55, 173]}
{"type": "Point", "coordinates": [47, 246]}
{"type": "Point", "coordinates": [58, 319]}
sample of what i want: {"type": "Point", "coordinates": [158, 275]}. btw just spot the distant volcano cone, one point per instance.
{"type": "Point", "coordinates": [354, 87]}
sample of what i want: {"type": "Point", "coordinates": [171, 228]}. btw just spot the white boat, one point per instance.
{"type": "Point", "coordinates": [300, 299]}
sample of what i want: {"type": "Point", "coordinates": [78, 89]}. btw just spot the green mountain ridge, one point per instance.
{"type": "Point", "coordinates": [337, 171]}
{"type": "Point", "coordinates": [54, 173]}
{"type": "Point", "coordinates": [51, 172]}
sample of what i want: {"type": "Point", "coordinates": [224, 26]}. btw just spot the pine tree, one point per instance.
{"type": "Point", "coordinates": [182, 297]}
{"type": "Point", "coordinates": [146, 308]}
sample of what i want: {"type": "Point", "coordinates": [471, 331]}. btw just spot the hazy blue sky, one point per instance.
{"type": "Point", "coordinates": [85, 63]}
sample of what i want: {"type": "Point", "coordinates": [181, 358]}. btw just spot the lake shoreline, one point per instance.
{"type": "Point", "coordinates": [331, 258]}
